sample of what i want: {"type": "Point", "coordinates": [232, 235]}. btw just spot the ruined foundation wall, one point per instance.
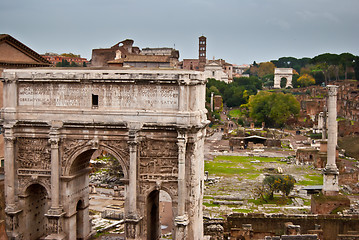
{"type": "Point", "coordinates": [332, 225]}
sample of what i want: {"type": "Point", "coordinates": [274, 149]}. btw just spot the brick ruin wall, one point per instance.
{"type": "Point", "coordinates": [332, 225]}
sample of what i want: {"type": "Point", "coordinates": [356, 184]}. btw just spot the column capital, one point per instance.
{"type": "Point", "coordinates": [332, 90]}
{"type": "Point", "coordinates": [182, 135]}
{"type": "Point", "coordinates": [54, 141]}
{"type": "Point", "coordinates": [9, 139]}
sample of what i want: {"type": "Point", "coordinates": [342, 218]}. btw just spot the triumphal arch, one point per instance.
{"type": "Point", "coordinates": [152, 121]}
{"type": "Point", "coordinates": [280, 73]}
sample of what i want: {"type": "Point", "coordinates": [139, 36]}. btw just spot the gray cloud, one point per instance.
{"type": "Point", "coordinates": [238, 31]}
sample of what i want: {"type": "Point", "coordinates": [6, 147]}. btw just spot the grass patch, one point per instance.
{"type": "Point", "coordinates": [241, 210]}
{"type": "Point", "coordinates": [277, 200]}
{"type": "Point", "coordinates": [312, 180]}
{"type": "Point", "coordinates": [252, 176]}
{"type": "Point", "coordinates": [210, 204]}
{"type": "Point", "coordinates": [207, 197]}
{"type": "Point", "coordinates": [307, 202]}
{"type": "Point", "coordinates": [229, 165]}
{"type": "Point", "coordinates": [235, 113]}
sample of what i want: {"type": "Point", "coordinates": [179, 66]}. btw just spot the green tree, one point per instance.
{"type": "Point", "coordinates": [356, 67]}
{"type": "Point", "coordinates": [265, 68]}
{"type": "Point", "coordinates": [236, 93]}
{"type": "Point", "coordinates": [73, 64]}
{"type": "Point", "coordinates": [306, 80]}
{"type": "Point", "coordinates": [273, 108]}
{"type": "Point", "coordinates": [276, 183]}
{"type": "Point", "coordinates": [70, 55]}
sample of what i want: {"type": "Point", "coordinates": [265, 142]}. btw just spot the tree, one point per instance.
{"type": "Point", "coordinates": [236, 93]}
{"type": "Point", "coordinates": [356, 67]}
{"type": "Point", "coordinates": [70, 55]}
{"type": "Point", "coordinates": [265, 68]}
{"type": "Point", "coordinates": [273, 108]}
{"type": "Point", "coordinates": [306, 80]}
{"type": "Point", "coordinates": [274, 183]}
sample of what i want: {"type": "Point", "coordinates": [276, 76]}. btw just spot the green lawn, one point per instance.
{"type": "Point", "coordinates": [229, 165]}
{"type": "Point", "coordinates": [311, 180]}
{"type": "Point", "coordinates": [235, 113]}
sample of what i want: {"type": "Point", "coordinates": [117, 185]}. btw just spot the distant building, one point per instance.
{"type": "Point", "coordinates": [219, 69]}
{"type": "Point", "coordinates": [55, 59]}
{"type": "Point", "coordinates": [14, 54]}
{"type": "Point", "coordinates": [197, 64]}
{"type": "Point", "coordinates": [190, 64]}
{"type": "Point", "coordinates": [214, 70]}
{"type": "Point", "coordinates": [124, 54]}
{"type": "Point", "coordinates": [238, 70]}
{"type": "Point", "coordinates": [202, 52]}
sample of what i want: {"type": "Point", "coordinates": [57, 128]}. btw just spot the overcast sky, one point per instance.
{"type": "Point", "coordinates": [239, 31]}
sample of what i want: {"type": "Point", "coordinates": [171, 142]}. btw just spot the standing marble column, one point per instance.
{"type": "Point", "coordinates": [55, 213]}
{"type": "Point", "coordinates": [132, 193]}
{"type": "Point", "coordinates": [182, 218]}
{"type": "Point", "coordinates": [132, 220]}
{"type": "Point", "coordinates": [9, 169]}
{"type": "Point", "coordinates": [331, 173]}
{"type": "Point", "coordinates": [55, 174]}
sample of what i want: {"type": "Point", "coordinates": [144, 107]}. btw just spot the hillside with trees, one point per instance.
{"type": "Point", "coordinates": [275, 108]}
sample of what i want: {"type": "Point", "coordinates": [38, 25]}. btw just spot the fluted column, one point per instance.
{"type": "Point", "coordinates": [332, 127]}
{"type": "Point", "coordinates": [331, 185]}
{"type": "Point", "coordinates": [132, 228]}
{"type": "Point", "coordinates": [182, 219]}
{"type": "Point", "coordinates": [9, 169]}
{"type": "Point", "coordinates": [132, 186]}
{"type": "Point", "coordinates": [55, 175]}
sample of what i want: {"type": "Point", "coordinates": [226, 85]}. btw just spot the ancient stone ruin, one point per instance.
{"type": "Point", "coordinates": [152, 121]}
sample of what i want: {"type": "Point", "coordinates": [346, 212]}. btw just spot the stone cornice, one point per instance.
{"type": "Point", "coordinates": [181, 77]}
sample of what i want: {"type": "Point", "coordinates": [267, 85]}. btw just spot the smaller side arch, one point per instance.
{"type": "Point", "coordinates": [46, 186]}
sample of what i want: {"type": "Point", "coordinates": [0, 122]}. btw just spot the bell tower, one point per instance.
{"type": "Point", "coordinates": [202, 52]}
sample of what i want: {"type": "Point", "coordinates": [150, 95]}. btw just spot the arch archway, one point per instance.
{"type": "Point", "coordinates": [36, 206]}
{"type": "Point", "coordinates": [86, 153]}
{"type": "Point", "coordinates": [80, 209]}
{"type": "Point", "coordinates": [283, 82]}
{"type": "Point", "coordinates": [153, 215]}
{"type": "Point", "coordinates": [77, 199]}
{"type": "Point", "coordinates": [160, 214]}
{"type": "Point", "coordinates": [279, 74]}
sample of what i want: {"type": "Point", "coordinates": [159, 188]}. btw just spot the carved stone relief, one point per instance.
{"type": "Point", "coordinates": [158, 148]}
{"type": "Point", "coordinates": [33, 153]}
{"type": "Point", "coordinates": [158, 160]}
{"type": "Point", "coordinates": [25, 181]}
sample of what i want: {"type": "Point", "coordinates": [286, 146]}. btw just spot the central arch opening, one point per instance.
{"type": "Point", "coordinates": [283, 82]}
{"type": "Point", "coordinates": [95, 178]}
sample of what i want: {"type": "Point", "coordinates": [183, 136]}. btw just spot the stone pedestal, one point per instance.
{"type": "Point", "coordinates": [330, 181]}
{"type": "Point", "coordinates": [132, 228]}
{"type": "Point", "coordinates": [12, 224]}
{"type": "Point", "coordinates": [181, 223]}
{"type": "Point", "coordinates": [55, 225]}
